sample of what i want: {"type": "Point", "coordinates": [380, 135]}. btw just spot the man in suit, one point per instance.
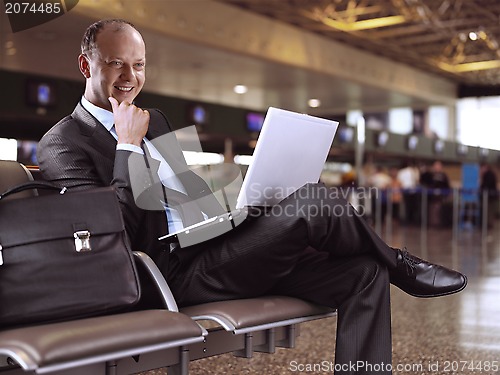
{"type": "Point", "coordinates": [331, 258]}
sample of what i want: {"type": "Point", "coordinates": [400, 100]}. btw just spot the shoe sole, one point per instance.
{"type": "Point", "coordinates": [435, 295]}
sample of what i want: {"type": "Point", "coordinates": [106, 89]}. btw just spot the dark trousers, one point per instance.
{"type": "Point", "coordinates": [314, 246]}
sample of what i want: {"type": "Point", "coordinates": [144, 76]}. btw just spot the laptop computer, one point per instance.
{"type": "Point", "coordinates": [290, 152]}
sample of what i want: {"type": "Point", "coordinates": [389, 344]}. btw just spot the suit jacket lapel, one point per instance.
{"type": "Point", "coordinates": [168, 146]}
{"type": "Point", "coordinates": [99, 136]}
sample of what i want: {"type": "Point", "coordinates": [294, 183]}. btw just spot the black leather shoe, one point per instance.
{"type": "Point", "coordinates": [422, 279]}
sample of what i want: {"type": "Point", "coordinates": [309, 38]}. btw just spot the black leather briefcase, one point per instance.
{"type": "Point", "coordinates": [63, 256]}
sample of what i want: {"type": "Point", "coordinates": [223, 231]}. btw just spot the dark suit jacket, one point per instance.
{"type": "Point", "coordinates": [79, 153]}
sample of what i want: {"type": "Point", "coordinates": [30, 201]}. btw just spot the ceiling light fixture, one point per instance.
{"type": "Point", "coordinates": [314, 103]}
{"type": "Point", "coordinates": [240, 89]}
{"type": "Point", "coordinates": [469, 67]}
{"type": "Point", "coordinates": [373, 23]}
{"type": "Point", "coordinates": [472, 35]}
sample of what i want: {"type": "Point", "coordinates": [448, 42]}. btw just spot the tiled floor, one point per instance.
{"type": "Point", "coordinates": [458, 334]}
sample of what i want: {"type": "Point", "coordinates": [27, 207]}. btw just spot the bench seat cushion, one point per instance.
{"type": "Point", "coordinates": [245, 313]}
{"type": "Point", "coordinates": [100, 337]}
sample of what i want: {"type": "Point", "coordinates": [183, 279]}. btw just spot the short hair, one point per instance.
{"type": "Point", "coordinates": [89, 37]}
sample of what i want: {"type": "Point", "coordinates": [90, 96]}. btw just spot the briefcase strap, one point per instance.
{"type": "Point", "coordinates": [32, 185]}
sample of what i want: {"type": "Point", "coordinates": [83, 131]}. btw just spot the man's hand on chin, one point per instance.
{"type": "Point", "coordinates": [131, 122]}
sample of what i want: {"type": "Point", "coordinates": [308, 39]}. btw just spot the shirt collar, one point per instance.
{"type": "Point", "coordinates": [104, 116]}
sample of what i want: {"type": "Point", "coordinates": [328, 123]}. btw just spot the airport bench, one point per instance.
{"type": "Point", "coordinates": [91, 346]}
{"type": "Point", "coordinates": [143, 340]}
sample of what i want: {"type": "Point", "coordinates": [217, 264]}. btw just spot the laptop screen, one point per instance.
{"type": "Point", "coordinates": [290, 152]}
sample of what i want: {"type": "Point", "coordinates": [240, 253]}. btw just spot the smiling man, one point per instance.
{"type": "Point", "coordinates": [333, 258]}
{"type": "Point", "coordinates": [117, 68]}
{"type": "Point", "coordinates": [115, 74]}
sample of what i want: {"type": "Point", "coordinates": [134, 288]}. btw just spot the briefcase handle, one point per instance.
{"type": "Point", "coordinates": [32, 185]}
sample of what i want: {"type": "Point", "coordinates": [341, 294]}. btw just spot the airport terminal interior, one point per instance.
{"type": "Point", "coordinates": [414, 86]}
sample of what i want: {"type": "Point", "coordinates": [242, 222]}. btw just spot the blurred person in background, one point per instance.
{"type": "Point", "coordinates": [396, 195]}
{"type": "Point", "coordinates": [438, 183]}
{"type": "Point", "coordinates": [408, 177]}
{"type": "Point", "coordinates": [380, 180]}
{"type": "Point", "coordinates": [489, 192]}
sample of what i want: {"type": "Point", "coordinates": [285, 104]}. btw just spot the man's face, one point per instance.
{"type": "Point", "coordinates": [116, 67]}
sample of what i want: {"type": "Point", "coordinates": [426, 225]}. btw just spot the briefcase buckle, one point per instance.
{"type": "Point", "coordinates": [82, 240]}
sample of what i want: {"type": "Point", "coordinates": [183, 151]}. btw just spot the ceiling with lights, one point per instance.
{"type": "Point", "coordinates": [458, 39]}
{"type": "Point", "coordinates": [342, 54]}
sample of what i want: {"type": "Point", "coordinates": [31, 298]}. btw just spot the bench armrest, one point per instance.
{"type": "Point", "coordinates": [158, 280]}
